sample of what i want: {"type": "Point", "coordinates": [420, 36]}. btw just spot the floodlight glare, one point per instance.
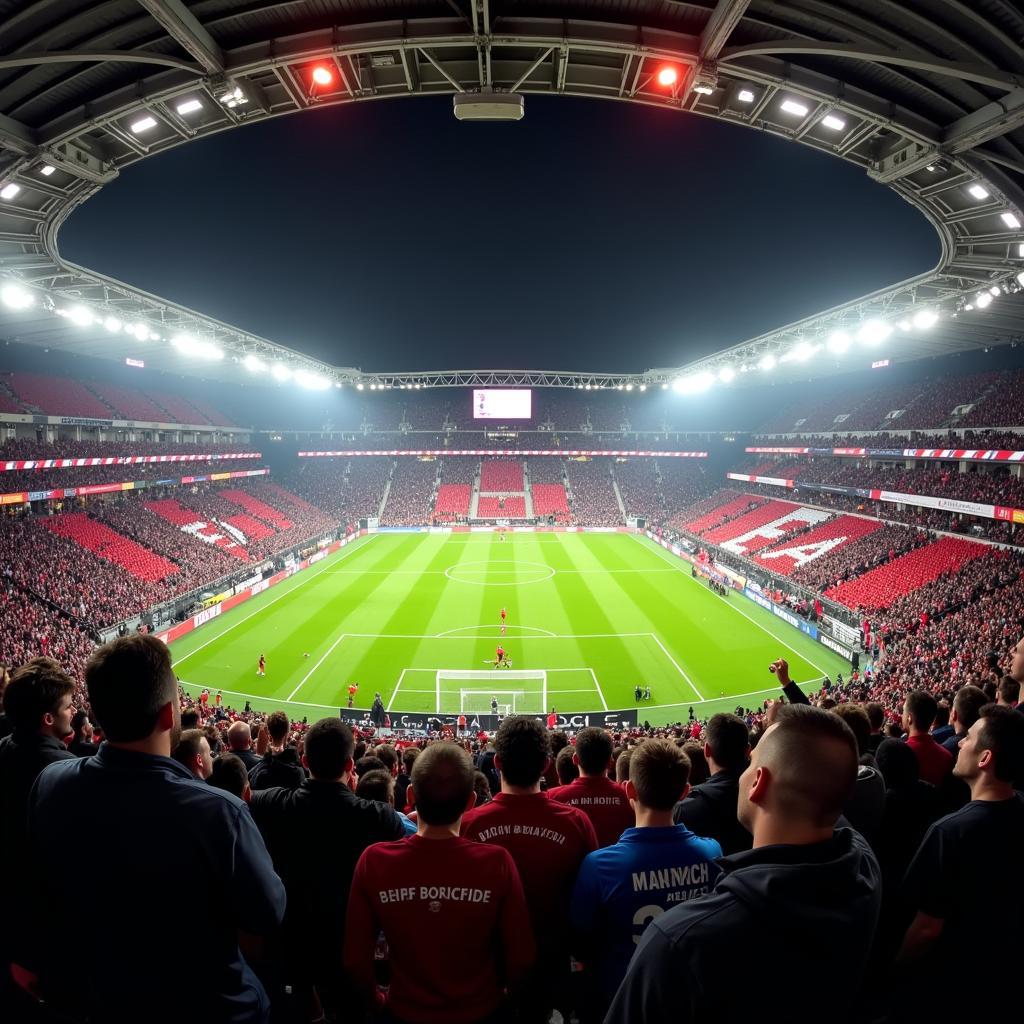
{"type": "Point", "coordinates": [1011, 220]}
{"type": "Point", "coordinates": [629, 387]}
{"type": "Point", "coordinates": [664, 387]}
{"type": "Point", "coordinates": [982, 300]}
{"type": "Point", "coordinates": [14, 296]}
{"type": "Point", "coordinates": [995, 290]}
{"type": "Point", "coordinates": [643, 387]}
{"type": "Point", "coordinates": [925, 318]}
{"type": "Point", "coordinates": [767, 362]}
{"type": "Point", "coordinates": [873, 332]}
{"type": "Point", "coordinates": [704, 88]}
{"type": "Point", "coordinates": [185, 344]}
{"type": "Point", "coordinates": [667, 77]}
{"type": "Point", "coordinates": [838, 342]}
{"type": "Point", "coordinates": [726, 374]}
{"type": "Point", "coordinates": [312, 381]}
{"type": "Point", "coordinates": [254, 364]}
{"type": "Point", "coordinates": [793, 107]}
{"type": "Point", "coordinates": [1020, 278]}
{"type": "Point", "coordinates": [803, 351]}
{"type": "Point", "coordinates": [978, 191]}
{"type": "Point", "coordinates": [189, 107]}
{"type": "Point", "coordinates": [359, 386]}
{"type": "Point", "coordinates": [46, 170]}
{"type": "Point", "coordinates": [142, 125]}
{"type": "Point", "coordinates": [281, 372]}
{"type": "Point", "coordinates": [112, 324]}
{"type": "Point", "coordinates": [745, 96]}
{"type": "Point", "coordinates": [80, 316]}
{"type": "Point", "coordinates": [322, 75]}
{"type": "Point", "coordinates": [9, 191]}
{"type": "Point", "coordinates": [837, 124]}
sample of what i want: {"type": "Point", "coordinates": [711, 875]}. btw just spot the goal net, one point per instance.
{"type": "Point", "coordinates": [473, 692]}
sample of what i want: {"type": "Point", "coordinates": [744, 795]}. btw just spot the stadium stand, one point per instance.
{"type": "Point", "coordinates": [501, 476]}
{"type": "Point", "coordinates": [128, 404]}
{"type": "Point", "coordinates": [880, 587]}
{"type": "Point", "coordinates": [60, 395]}
{"type": "Point", "coordinates": [106, 543]}
{"type": "Point", "coordinates": [811, 543]}
{"type": "Point", "coordinates": [760, 516]}
{"type": "Point", "coordinates": [411, 493]}
{"type": "Point", "coordinates": [190, 523]}
{"type": "Point", "coordinates": [452, 503]}
{"type": "Point", "coordinates": [640, 487]}
{"type": "Point", "coordinates": [256, 507]}
{"type": "Point", "coordinates": [179, 409]}
{"type": "Point", "coordinates": [716, 510]}
{"type": "Point", "coordinates": [507, 507]}
{"type": "Point", "coordinates": [550, 500]}
{"type": "Point", "coordinates": [592, 499]}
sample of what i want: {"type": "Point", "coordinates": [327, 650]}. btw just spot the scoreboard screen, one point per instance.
{"type": "Point", "coordinates": [502, 404]}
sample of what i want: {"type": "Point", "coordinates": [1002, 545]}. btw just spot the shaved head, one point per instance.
{"type": "Point", "coordinates": [807, 761]}
{"type": "Point", "coordinates": [239, 736]}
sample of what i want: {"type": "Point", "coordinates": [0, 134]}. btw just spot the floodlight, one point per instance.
{"type": "Point", "coordinates": [1020, 278]}
{"type": "Point", "coordinates": [142, 125]}
{"type": "Point", "coordinates": [767, 362]}
{"type": "Point", "coordinates": [995, 290]}
{"type": "Point", "coordinates": [9, 191]}
{"type": "Point", "coordinates": [312, 381]}
{"type": "Point", "coordinates": [982, 300]}
{"type": "Point", "coordinates": [189, 107]}
{"type": "Point", "coordinates": [359, 386]}
{"type": "Point", "coordinates": [1020, 250]}
{"type": "Point", "coordinates": [139, 330]}
{"type": "Point", "coordinates": [643, 387]}
{"type": "Point", "coordinates": [629, 387]}
{"type": "Point", "coordinates": [837, 124]}
{"type": "Point", "coordinates": [803, 350]}
{"type": "Point", "coordinates": [904, 325]}
{"type": "Point", "coordinates": [667, 77]}
{"type": "Point", "coordinates": [925, 318]}
{"type": "Point", "coordinates": [185, 344]}
{"type": "Point", "coordinates": [726, 374]}
{"type": "Point", "coordinates": [1011, 220]}
{"type": "Point", "coordinates": [14, 296]}
{"type": "Point", "coordinates": [704, 88]}
{"type": "Point", "coordinates": [254, 364]}
{"type": "Point", "coordinates": [978, 191]}
{"type": "Point", "coordinates": [838, 342]}
{"type": "Point", "coordinates": [112, 324]}
{"type": "Point", "coordinates": [46, 170]}
{"type": "Point", "coordinates": [281, 372]}
{"type": "Point", "coordinates": [745, 96]}
{"type": "Point", "coordinates": [80, 316]}
{"type": "Point", "coordinates": [322, 75]}
{"type": "Point", "coordinates": [793, 107]}
{"type": "Point", "coordinates": [873, 332]}
{"type": "Point", "coordinates": [664, 386]}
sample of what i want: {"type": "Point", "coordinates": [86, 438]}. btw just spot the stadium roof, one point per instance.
{"type": "Point", "coordinates": [927, 99]}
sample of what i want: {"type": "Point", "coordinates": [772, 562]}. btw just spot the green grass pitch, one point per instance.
{"type": "Point", "coordinates": [598, 613]}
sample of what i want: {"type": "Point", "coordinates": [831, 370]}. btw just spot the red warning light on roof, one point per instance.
{"type": "Point", "coordinates": [667, 77]}
{"type": "Point", "coordinates": [322, 75]}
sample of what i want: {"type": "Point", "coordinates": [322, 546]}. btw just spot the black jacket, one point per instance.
{"type": "Point", "coordinates": [316, 834]}
{"type": "Point", "coordinates": [274, 770]}
{"type": "Point", "coordinates": [797, 903]}
{"type": "Point", "coordinates": [709, 810]}
{"type": "Point", "coordinates": [248, 757]}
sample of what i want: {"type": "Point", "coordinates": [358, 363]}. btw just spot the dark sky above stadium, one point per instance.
{"type": "Point", "coordinates": [590, 235]}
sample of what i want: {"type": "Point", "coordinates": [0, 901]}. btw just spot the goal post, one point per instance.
{"type": "Point", "coordinates": [476, 689]}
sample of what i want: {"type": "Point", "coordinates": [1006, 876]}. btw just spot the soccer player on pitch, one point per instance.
{"type": "Point", "coordinates": [499, 655]}
{"type": "Point", "coordinates": [262, 669]}
{"type": "Point", "coordinates": [502, 621]}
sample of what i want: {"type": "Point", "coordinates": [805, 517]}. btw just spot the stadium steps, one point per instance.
{"type": "Point", "coordinates": [618, 495]}
{"type": "Point", "coordinates": [387, 491]}
{"type": "Point", "coordinates": [257, 508]}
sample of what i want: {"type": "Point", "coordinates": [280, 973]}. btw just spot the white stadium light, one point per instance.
{"type": "Point", "coordinates": [112, 324]}
{"type": "Point", "coordinates": [767, 362]}
{"type": "Point", "coordinates": [982, 300]}
{"type": "Point", "coordinates": [978, 191]}
{"type": "Point", "coordinates": [837, 124]}
{"type": "Point", "coordinates": [14, 296]}
{"type": "Point", "coordinates": [629, 387]}
{"type": "Point", "coordinates": [925, 318]}
{"type": "Point", "coordinates": [664, 387]}
{"type": "Point", "coordinates": [80, 316]}
{"type": "Point", "coordinates": [694, 384]}
{"type": "Point", "coordinates": [9, 191]}
{"type": "Point", "coordinates": [189, 107]}
{"type": "Point", "coordinates": [139, 330]}
{"type": "Point", "coordinates": [803, 351]}
{"type": "Point", "coordinates": [726, 374]}
{"type": "Point", "coordinates": [1020, 278]}
{"type": "Point", "coordinates": [643, 387]}
{"type": "Point", "coordinates": [142, 125]}
{"type": "Point", "coordinates": [1020, 250]}
{"type": "Point", "coordinates": [704, 88]}
{"type": "Point", "coordinates": [46, 170]}
{"type": "Point", "coordinates": [281, 372]}
{"type": "Point", "coordinates": [254, 364]}
{"type": "Point", "coordinates": [359, 386]}
{"type": "Point", "coordinates": [312, 381]}
{"type": "Point", "coordinates": [745, 96]}
{"type": "Point", "coordinates": [873, 332]}
{"type": "Point", "coordinates": [995, 290]}
{"type": "Point", "coordinates": [1011, 220]}
{"type": "Point", "coordinates": [793, 107]}
{"type": "Point", "coordinates": [839, 342]}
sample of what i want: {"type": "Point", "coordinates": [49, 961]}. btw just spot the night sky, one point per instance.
{"type": "Point", "coordinates": [591, 235]}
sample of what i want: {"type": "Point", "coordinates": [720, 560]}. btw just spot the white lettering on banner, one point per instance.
{"type": "Point", "coordinates": [758, 598]}
{"type": "Point", "coordinates": [773, 531]}
{"type": "Point", "coordinates": [834, 645]}
{"type": "Point", "coordinates": [969, 508]}
{"type": "Point", "coordinates": [459, 894]}
{"type": "Point", "coordinates": [258, 588]}
{"type": "Point", "coordinates": [207, 614]}
{"type": "Point", "coordinates": [316, 557]}
{"type": "Point", "coordinates": [848, 634]}
{"type": "Point", "coordinates": [783, 614]}
{"type": "Point", "coordinates": [801, 554]}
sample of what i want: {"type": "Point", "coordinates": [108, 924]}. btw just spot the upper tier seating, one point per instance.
{"type": "Point", "coordinates": [129, 404]}
{"type": "Point", "coordinates": [59, 396]}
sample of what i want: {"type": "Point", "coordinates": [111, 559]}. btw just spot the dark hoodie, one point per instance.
{"type": "Point", "coordinates": [773, 905]}
{"type": "Point", "coordinates": [273, 770]}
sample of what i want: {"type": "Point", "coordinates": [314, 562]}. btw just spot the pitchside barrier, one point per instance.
{"type": "Point", "coordinates": [752, 592]}
{"type": "Point", "coordinates": [413, 722]}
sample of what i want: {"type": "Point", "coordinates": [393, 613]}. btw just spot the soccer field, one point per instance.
{"type": "Point", "coordinates": [589, 617]}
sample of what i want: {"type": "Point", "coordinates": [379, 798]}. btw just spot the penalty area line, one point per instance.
{"type": "Point", "coordinates": [664, 650]}
{"type": "Point", "coordinates": [324, 657]}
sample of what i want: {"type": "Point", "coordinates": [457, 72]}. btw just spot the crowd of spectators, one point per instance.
{"type": "Point", "coordinates": [343, 488]}
{"type": "Point", "coordinates": [640, 486]}
{"type": "Point", "coordinates": [411, 495]}
{"type": "Point", "coordinates": [983, 440]}
{"type": "Point", "coordinates": [460, 469]}
{"type": "Point", "coordinates": [592, 497]}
